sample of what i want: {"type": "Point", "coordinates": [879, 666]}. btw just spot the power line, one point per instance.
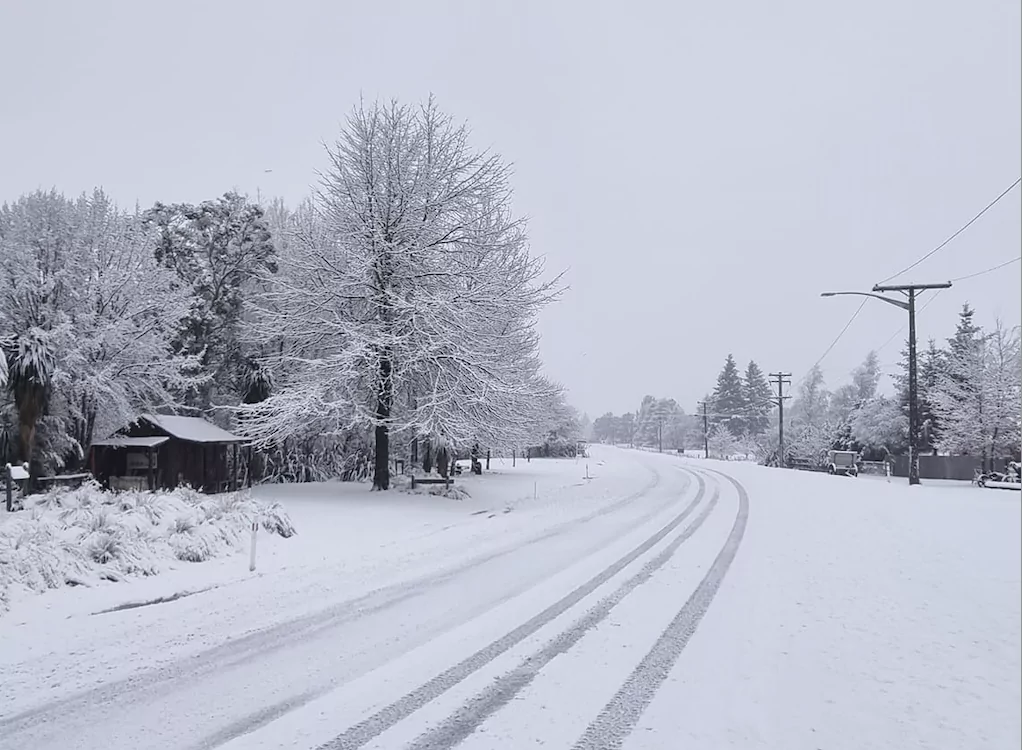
{"type": "Point", "coordinates": [993, 268]}
{"type": "Point", "coordinates": [913, 265]}
{"type": "Point", "coordinates": [937, 294]}
{"type": "Point", "coordinates": [966, 226]}
{"type": "Point", "coordinates": [842, 333]}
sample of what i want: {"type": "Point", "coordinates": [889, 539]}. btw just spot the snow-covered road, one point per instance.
{"type": "Point", "coordinates": [665, 603]}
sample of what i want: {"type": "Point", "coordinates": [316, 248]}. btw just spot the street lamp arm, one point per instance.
{"type": "Point", "coordinates": [888, 300]}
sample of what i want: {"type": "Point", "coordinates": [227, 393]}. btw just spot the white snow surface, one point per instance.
{"type": "Point", "coordinates": [547, 608]}
{"type": "Point", "coordinates": [192, 429]}
{"type": "Point", "coordinates": [86, 536]}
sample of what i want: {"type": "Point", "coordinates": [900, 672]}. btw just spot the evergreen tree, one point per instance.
{"type": "Point", "coordinates": [934, 364]}
{"type": "Point", "coordinates": [758, 398]}
{"type": "Point", "coordinates": [729, 398]}
{"type": "Point", "coordinates": [967, 336]}
{"type": "Point", "coordinates": [218, 249]}
{"type": "Point", "coordinates": [978, 397]}
{"type": "Point", "coordinates": [647, 422]}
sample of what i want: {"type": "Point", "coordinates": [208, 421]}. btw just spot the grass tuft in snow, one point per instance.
{"type": "Point", "coordinates": [81, 536]}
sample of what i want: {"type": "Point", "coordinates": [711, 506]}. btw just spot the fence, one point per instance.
{"type": "Point", "coordinates": [946, 467]}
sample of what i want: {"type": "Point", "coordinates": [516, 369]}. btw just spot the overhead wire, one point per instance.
{"type": "Point", "coordinates": [938, 292]}
{"type": "Point", "coordinates": [968, 224]}
{"type": "Point", "coordinates": [988, 270]}
{"type": "Point", "coordinates": [939, 247]}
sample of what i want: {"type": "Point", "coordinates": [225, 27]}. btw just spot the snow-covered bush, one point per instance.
{"type": "Point", "coordinates": [80, 536]}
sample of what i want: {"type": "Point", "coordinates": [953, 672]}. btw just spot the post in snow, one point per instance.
{"type": "Point", "coordinates": [252, 555]}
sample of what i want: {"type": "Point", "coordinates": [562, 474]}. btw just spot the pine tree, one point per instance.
{"type": "Point", "coordinates": [977, 399]}
{"type": "Point", "coordinates": [758, 398]}
{"type": "Point", "coordinates": [934, 365]}
{"type": "Point", "coordinates": [729, 398]}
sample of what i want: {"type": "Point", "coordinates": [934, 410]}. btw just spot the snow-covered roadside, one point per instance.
{"type": "Point", "coordinates": [857, 614]}
{"type": "Point", "coordinates": [350, 541]}
{"type": "Point", "coordinates": [336, 523]}
{"type": "Point", "coordinates": [85, 536]}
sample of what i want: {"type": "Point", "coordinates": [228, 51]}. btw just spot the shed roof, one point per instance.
{"type": "Point", "coordinates": [191, 429]}
{"type": "Point", "coordinates": [118, 441]}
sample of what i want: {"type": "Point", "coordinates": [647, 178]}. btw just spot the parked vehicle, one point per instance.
{"type": "Point", "coordinates": [844, 463]}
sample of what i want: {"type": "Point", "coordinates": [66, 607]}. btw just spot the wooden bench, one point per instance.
{"type": "Point", "coordinates": [429, 480]}
{"type": "Point", "coordinates": [71, 481]}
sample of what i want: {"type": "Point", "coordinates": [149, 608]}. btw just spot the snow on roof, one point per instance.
{"type": "Point", "coordinates": [192, 429]}
{"type": "Point", "coordinates": [118, 441]}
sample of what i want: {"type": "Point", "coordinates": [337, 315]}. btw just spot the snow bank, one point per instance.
{"type": "Point", "coordinates": [82, 536]}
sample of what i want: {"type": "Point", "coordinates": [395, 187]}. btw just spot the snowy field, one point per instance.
{"type": "Point", "coordinates": [665, 602]}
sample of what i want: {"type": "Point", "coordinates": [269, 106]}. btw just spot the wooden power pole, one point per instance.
{"type": "Point", "coordinates": [706, 429]}
{"type": "Point", "coordinates": [780, 379]}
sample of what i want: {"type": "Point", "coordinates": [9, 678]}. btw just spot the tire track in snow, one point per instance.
{"type": "Point", "coordinates": [368, 729]}
{"type": "Point", "coordinates": [618, 718]}
{"type": "Point", "coordinates": [470, 716]}
{"type": "Point", "coordinates": [257, 644]}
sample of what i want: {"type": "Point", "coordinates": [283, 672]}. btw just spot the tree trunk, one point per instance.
{"type": "Point", "coordinates": [427, 457]}
{"type": "Point", "coordinates": [27, 433]}
{"type": "Point", "coordinates": [443, 463]}
{"type": "Point", "coordinates": [381, 473]}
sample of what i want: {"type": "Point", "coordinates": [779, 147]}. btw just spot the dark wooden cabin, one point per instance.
{"type": "Point", "coordinates": [162, 451]}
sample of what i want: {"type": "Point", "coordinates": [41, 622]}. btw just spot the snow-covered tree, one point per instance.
{"type": "Point", "coordinates": [863, 387]}
{"type": "Point", "coordinates": [758, 397]}
{"type": "Point", "coordinates": [87, 316]}
{"type": "Point", "coordinates": [218, 249]}
{"type": "Point", "coordinates": [626, 428]}
{"type": "Point", "coordinates": [729, 397]}
{"type": "Point", "coordinates": [810, 408]}
{"type": "Point", "coordinates": [414, 311]}
{"type": "Point", "coordinates": [880, 425]}
{"type": "Point", "coordinates": [978, 399]}
{"type": "Point", "coordinates": [722, 443]}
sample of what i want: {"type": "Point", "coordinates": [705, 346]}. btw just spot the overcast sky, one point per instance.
{"type": "Point", "coordinates": [702, 170]}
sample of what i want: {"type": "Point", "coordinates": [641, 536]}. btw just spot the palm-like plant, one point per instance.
{"type": "Point", "coordinates": [28, 371]}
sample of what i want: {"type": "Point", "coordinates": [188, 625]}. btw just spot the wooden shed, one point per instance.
{"type": "Point", "coordinates": [164, 451]}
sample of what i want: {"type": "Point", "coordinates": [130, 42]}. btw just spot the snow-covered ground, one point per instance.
{"type": "Point", "coordinates": [666, 602]}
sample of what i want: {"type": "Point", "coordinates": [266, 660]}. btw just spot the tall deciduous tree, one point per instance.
{"type": "Point", "coordinates": [813, 399]}
{"type": "Point", "coordinates": [415, 312]}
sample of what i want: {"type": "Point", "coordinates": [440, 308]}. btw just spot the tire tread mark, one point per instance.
{"type": "Point", "coordinates": [281, 635]}
{"type": "Point", "coordinates": [618, 718]}
{"type": "Point", "coordinates": [470, 716]}
{"type": "Point", "coordinates": [371, 727]}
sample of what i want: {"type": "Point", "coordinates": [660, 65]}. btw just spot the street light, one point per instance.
{"type": "Point", "coordinates": [909, 290]}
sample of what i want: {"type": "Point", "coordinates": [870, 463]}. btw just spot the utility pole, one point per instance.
{"type": "Point", "coordinates": [910, 291]}
{"type": "Point", "coordinates": [780, 379]}
{"type": "Point", "coordinates": [660, 434]}
{"type": "Point", "coordinates": [706, 429]}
